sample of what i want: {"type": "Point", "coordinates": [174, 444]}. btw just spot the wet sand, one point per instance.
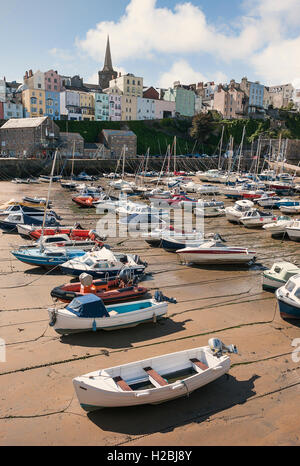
{"type": "Point", "coordinates": [255, 405]}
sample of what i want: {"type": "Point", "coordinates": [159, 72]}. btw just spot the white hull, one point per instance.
{"type": "Point", "coordinates": [255, 222]}
{"type": "Point", "coordinates": [99, 390]}
{"type": "Point", "coordinates": [268, 282]}
{"type": "Point", "coordinates": [67, 322]}
{"type": "Point", "coordinates": [217, 258]}
{"type": "Point", "coordinates": [294, 234]}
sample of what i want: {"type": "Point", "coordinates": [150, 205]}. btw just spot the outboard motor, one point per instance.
{"type": "Point", "coordinates": [160, 298]}
{"type": "Point", "coordinates": [125, 275]}
{"type": "Point", "coordinates": [218, 237]}
{"type": "Point", "coordinates": [217, 347]}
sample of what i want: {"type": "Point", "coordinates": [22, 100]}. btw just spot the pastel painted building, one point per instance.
{"type": "Point", "coordinates": [229, 102]}
{"type": "Point", "coordinates": [35, 80]}
{"type": "Point", "coordinates": [115, 107]}
{"type": "Point", "coordinates": [87, 105]}
{"type": "Point", "coordinates": [52, 105]}
{"type": "Point", "coordinates": [129, 108]}
{"type": "Point", "coordinates": [281, 95]}
{"type": "Point", "coordinates": [184, 98]}
{"type": "Point", "coordinates": [145, 109]}
{"type": "Point", "coordinates": [129, 85]}
{"type": "Point", "coordinates": [52, 81]}
{"type": "Point", "coordinates": [2, 90]}
{"type": "Point", "coordinates": [70, 106]}
{"type": "Point", "coordinates": [33, 101]}
{"type": "Point", "coordinates": [255, 93]}
{"type": "Point", "coordinates": [164, 109]}
{"type": "Point", "coordinates": [12, 109]}
{"type": "Point", "coordinates": [101, 106]}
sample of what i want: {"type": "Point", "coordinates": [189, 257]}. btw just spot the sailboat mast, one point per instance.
{"type": "Point", "coordinates": [221, 146]}
{"type": "Point", "coordinates": [49, 190]}
{"type": "Point", "coordinates": [241, 149]}
{"type": "Point", "coordinates": [72, 173]}
{"type": "Point", "coordinates": [175, 144]}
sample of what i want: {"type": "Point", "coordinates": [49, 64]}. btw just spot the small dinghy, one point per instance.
{"type": "Point", "coordinates": [88, 313]}
{"type": "Point", "coordinates": [216, 252]}
{"type": "Point", "coordinates": [288, 297]}
{"type": "Point", "coordinates": [110, 291]}
{"type": "Point", "coordinates": [104, 264]}
{"type": "Point", "coordinates": [154, 380]}
{"type": "Point", "coordinates": [46, 257]}
{"type": "Point", "coordinates": [208, 212]}
{"type": "Point", "coordinates": [278, 275]}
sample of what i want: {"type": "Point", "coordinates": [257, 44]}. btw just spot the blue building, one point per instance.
{"type": "Point", "coordinates": [255, 93]}
{"type": "Point", "coordinates": [101, 106]}
{"type": "Point", "coordinates": [52, 105]}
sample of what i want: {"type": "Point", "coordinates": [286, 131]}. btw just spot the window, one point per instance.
{"type": "Point", "coordinates": [39, 86]}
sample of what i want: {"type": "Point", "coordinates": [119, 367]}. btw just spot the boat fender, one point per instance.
{"type": "Point", "coordinates": [52, 317]}
{"type": "Point", "coordinates": [94, 326]}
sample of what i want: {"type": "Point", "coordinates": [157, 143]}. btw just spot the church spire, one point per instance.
{"type": "Point", "coordinates": [108, 61]}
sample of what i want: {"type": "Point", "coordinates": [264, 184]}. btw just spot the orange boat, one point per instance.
{"type": "Point", "coordinates": [84, 201]}
{"type": "Point", "coordinates": [111, 291]}
{"type": "Point", "coordinates": [73, 233]}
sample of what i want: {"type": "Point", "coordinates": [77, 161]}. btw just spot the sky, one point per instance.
{"type": "Point", "coordinates": [161, 40]}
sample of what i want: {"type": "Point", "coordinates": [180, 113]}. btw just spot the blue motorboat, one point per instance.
{"type": "Point", "coordinates": [288, 297]}
{"type": "Point", "coordinates": [10, 223]}
{"type": "Point", "coordinates": [47, 257]}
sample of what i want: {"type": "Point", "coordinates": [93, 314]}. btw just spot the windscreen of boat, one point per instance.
{"type": "Point", "coordinates": [297, 293]}
{"type": "Point", "coordinates": [290, 286]}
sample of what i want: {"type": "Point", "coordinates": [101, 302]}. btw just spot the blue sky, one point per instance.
{"type": "Point", "coordinates": [162, 40]}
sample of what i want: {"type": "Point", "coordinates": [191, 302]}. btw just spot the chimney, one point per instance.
{"type": "Point", "coordinates": [30, 73]}
{"type": "Point", "coordinates": [120, 75]}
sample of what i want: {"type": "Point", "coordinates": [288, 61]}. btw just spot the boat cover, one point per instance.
{"type": "Point", "coordinates": [88, 306]}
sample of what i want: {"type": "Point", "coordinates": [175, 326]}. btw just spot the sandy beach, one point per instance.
{"type": "Point", "coordinates": [255, 405]}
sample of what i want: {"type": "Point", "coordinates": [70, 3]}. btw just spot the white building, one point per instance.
{"type": "Point", "coordinates": [145, 109]}
{"type": "Point", "coordinates": [70, 105]}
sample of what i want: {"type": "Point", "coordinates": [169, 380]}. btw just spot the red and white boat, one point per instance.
{"type": "Point", "coordinates": [257, 194]}
{"type": "Point", "coordinates": [216, 252]}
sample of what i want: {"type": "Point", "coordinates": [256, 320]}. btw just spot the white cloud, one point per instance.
{"type": "Point", "coordinates": [144, 31]}
{"type": "Point", "coordinates": [180, 71]}
{"type": "Point", "coordinates": [61, 54]}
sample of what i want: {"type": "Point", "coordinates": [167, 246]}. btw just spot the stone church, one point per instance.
{"type": "Point", "coordinates": [108, 73]}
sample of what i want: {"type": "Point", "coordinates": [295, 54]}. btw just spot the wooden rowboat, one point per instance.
{"type": "Point", "coordinates": [153, 380]}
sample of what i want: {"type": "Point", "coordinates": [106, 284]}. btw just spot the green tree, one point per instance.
{"type": "Point", "coordinates": [202, 127]}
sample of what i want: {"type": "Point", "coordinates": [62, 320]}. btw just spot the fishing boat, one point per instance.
{"type": "Point", "coordinates": [293, 230]}
{"type": "Point", "coordinates": [48, 257]}
{"type": "Point", "coordinates": [88, 313]}
{"type": "Point", "coordinates": [154, 380]}
{"type": "Point", "coordinates": [110, 291]}
{"type": "Point", "coordinates": [278, 275]}
{"type": "Point", "coordinates": [11, 222]}
{"type": "Point", "coordinates": [104, 264]}
{"type": "Point", "coordinates": [255, 218]}
{"type": "Point", "coordinates": [288, 298]}
{"type": "Point", "coordinates": [278, 227]}
{"type": "Point", "coordinates": [216, 252]}
{"type": "Point", "coordinates": [234, 213]}
{"type": "Point", "coordinates": [47, 179]}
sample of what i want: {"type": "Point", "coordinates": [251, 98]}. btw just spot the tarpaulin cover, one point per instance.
{"type": "Point", "coordinates": [88, 306]}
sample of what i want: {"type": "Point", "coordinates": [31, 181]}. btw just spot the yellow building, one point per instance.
{"type": "Point", "coordinates": [129, 84]}
{"type": "Point", "coordinates": [87, 105]}
{"type": "Point", "coordinates": [33, 101]}
{"type": "Point", "coordinates": [129, 108]}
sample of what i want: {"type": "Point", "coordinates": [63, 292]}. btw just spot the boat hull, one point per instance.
{"type": "Point", "coordinates": [67, 323]}
{"type": "Point", "coordinates": [287, 310]}
{"type": "Point", "coordinates": [92, 397]}
{"type": "Point", "coordinates": [203, 257]}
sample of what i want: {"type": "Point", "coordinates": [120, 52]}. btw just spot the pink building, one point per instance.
{"type": "Point", "coordinates": [52, 81]}
{"type": "Point", "coordinates": [164, 109]}
{"type": "Point", "coordinates": [229, 102]}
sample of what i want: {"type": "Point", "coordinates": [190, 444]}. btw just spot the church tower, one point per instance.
{"type": "Point", "coordinates": [108, 73]}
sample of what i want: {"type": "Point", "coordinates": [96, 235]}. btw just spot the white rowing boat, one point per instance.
{"type": "Point", "coordinates": [153, 380]}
